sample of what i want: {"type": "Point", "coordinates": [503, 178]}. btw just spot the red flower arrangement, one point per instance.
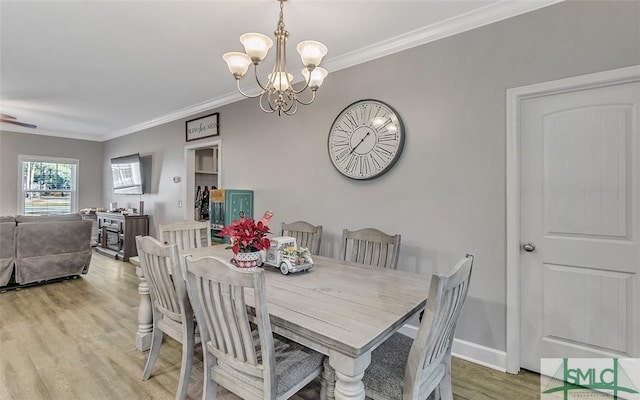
{"type": "Point", "coordinates": [246, 235]}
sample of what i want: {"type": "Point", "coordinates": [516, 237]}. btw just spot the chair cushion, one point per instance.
{"type": "Point", "coordinates": [385, 375]}
{"type": "Point", "coordinates": [294, 363]}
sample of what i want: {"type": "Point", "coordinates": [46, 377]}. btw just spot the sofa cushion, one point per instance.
{"type": "Point", "coordinates": [48, 218]}
{"type": "Point", "coordinates": [52, 251]}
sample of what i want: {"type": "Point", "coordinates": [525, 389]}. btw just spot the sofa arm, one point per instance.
{"type": "Point", "coordinates": [7, 249]}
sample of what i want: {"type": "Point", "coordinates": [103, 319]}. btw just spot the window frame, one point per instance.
{"type": "Point", "coordinates": [22, 158]}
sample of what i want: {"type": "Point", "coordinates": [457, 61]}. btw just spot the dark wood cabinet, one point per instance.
{"type": "Point", "coordinates": [117, 234]}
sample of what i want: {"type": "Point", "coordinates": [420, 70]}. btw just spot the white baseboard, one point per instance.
{"type": "Point", "coordinates": [473, 352]}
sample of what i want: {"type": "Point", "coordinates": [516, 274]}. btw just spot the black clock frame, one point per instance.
{"type": "Point", "coordinates": [393, 160]}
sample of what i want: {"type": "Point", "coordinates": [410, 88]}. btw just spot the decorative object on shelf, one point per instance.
{"type": "Point", "coordinates": [202, 127]}
{"type": "Point", "coordinates": [247, 236]}
{"type": "Point", "coordinates": [278, 93]}
{"type": "Point", "coordinates": [366, 139]}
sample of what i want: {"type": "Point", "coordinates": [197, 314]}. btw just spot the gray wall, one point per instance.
{"type": "Point", "coordinates": [446, 194]}
{"type": "Point", "coordinates": [89, 154]}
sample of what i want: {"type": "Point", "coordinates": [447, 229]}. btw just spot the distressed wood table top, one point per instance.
{"type": "Point", "coordinates": [338, 305]}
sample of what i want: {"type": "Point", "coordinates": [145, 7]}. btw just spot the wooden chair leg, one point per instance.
{"type": "Point", "coordinates": [154, 352]}
{"type": "Point", "coordinates": [187, 362]}
{"type": "Point", "coordinates": [445, 388]}
{"type": "Point", "coordinates": [209, 388]}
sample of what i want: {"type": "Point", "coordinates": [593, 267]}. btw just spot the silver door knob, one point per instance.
{"type": "Point", "coordinates": [529, 247]}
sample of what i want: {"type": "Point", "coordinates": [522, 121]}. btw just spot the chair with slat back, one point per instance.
{"type": "Point", "coordinates": [406, 369]}
{"type": "Point", "coordinates": [239, 358]}
{"type": "Point", "coordinates": [186, 234]}
{"type": "Point", "coordinates": [365, 246]}
{"type": "Point", "coordinates": [306, 235]}
{"type": "Point", "coordinates": [402, 368]}
{"type": "Point", "coordinates": [370, 246]}
{"type": "Point", "coordinates": [172, 313]}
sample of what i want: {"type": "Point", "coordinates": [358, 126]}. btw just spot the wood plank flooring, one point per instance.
{"type": "Point", "coordinates": [75, 340]}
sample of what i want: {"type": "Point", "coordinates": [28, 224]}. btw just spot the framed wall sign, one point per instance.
{"type": "Point", "coordinates": [202, 127]}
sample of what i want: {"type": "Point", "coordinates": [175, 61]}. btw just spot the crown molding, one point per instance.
{"type": "Point", "coordinates": [45, 132]}
{"type": "Point", "coordinates": [179, 114]}
{"type": "Point", "coordinates": [461, 23]}
{"type": "Point", "coordinates": [474, 19]}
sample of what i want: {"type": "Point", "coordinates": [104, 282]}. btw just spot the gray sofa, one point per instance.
{"type": "Point", "coordinates": [42, 248]}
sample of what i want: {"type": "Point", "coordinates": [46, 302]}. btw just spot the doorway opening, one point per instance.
{"type": "Point", "coordinates": [202, 173]}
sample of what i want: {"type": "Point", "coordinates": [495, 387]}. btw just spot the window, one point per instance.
{"type": "Point", "coordinates": [48, 185]}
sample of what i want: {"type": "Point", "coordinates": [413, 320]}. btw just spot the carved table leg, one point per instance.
{"type": "Point", "coordinates": [145, 316]}
{"type": "Point", "coordinates": [349, 372]}
{"type": "Point", "coordinates": [328, 383]}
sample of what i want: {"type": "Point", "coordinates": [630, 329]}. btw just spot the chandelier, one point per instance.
{"type": "Point", "coordinates": [278, 94]}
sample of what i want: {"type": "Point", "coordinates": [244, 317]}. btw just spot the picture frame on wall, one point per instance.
{"type": "Point", "coordinates": [202, 127]}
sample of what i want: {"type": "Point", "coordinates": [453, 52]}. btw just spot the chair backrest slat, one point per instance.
{"type": "Point", "coordinates": [307, 235]}
{"type": "Point", "coordinates": [371, 247]}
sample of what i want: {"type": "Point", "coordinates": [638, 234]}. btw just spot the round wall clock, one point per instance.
{"type": "Point", "coordinates": [366, 139]}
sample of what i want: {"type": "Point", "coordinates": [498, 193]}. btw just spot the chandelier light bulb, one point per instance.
{"type": "Point", "coordinates": [256, 45]}
{"type": "Point", "coordinates": [317, 77]}
{"type": "Point", "coordinates": [311, 52]}
{"type": "Point", "coordinates": [238, 63]}
{"type": "Point", "coordinates": [280, 80]}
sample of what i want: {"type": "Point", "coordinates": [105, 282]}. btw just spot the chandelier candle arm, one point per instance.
{"type": "Point", "coordinates": [278, 93]}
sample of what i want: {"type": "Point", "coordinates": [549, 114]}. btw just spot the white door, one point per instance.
{"type": "Point", "coordinates": [580, 209]}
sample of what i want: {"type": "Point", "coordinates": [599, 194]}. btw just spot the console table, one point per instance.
{"type": "Point", "coordinates": [117, 233]}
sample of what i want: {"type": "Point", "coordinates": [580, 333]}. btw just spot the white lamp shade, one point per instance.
{"type": "Point", "coordinates": [280, 80]}
{"type": "Point", "coordinates": [238, 63]}
{"type": "Point", "coordinates": [317, 77]}
{"type": "Point", "coordinates": [256, 45]}
{"type": "Point", "coordinates": [311, 52]}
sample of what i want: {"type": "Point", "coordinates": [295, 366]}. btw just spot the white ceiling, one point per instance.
{"type": "Point", "coordinates": [101, 69]}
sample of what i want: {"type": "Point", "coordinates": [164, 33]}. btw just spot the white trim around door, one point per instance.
{"type": "Point", "coordinates": [514, 98]}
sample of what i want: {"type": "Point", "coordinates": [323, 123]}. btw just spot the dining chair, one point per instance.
{"type": "Point", "coordinates": [306, 235]}
{"type": "Point", "coordinates": [239, 358]}
{"type": "Point", "coordinates": [186, 234]}
{"type": "Point", "coordinates": [172, 313]}
{"type": "Point", "coordinates": [402, 368]}
{"type": "Point", "coordinates": [370, 246]}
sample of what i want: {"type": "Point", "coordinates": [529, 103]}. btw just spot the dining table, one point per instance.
{"type": "Point", "coordinates": [341, 309]}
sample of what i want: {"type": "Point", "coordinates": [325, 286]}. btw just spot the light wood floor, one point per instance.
{"type": "Point", "coordinates": [75, 340]}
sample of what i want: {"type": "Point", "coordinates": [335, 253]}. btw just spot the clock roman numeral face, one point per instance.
{"type": "Point", "coordinates": [366, 139]}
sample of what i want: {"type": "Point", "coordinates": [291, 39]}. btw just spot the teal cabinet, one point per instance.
{"type": "Point", "coordinates": [225, 205]}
